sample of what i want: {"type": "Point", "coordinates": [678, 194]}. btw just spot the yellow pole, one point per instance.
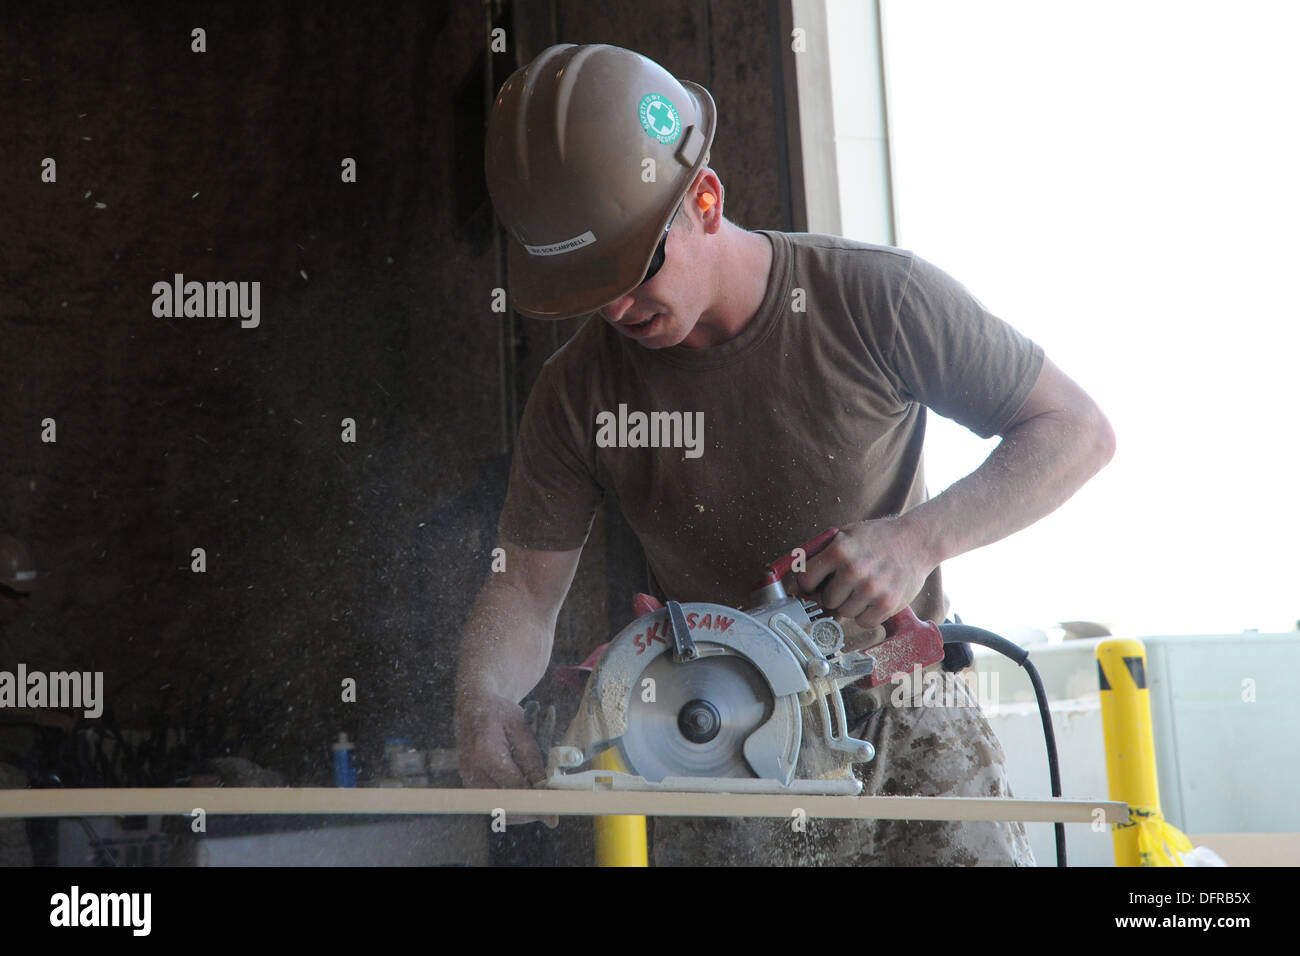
{"type": "Point", "coordinates": [1131, 757]}
{"type": "Point", "coordinates": [621, 840]}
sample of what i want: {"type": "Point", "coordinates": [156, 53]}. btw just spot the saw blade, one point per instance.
{"type": "Point", "coordinates": [700, 716]}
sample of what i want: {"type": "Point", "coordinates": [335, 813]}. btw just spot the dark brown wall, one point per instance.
{"type": "Point", "coordinates": [325, 560]}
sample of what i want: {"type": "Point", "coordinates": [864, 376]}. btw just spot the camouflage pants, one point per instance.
{"type": "Point", "coordinates": [920, 751]}
{"type": "Point", "coordinates": [14, 849]}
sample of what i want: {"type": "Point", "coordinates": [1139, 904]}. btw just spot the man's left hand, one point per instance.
{"type": "Point", "coordinates": [869, 572]}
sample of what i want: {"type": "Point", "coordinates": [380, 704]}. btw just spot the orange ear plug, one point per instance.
{"type": "Point", "coordinates": [706, 201]}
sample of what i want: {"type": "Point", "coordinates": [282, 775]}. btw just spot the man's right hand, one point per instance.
{"type": "Point", "coordinates": [498, 750]}
{"type": "Point", "coordinates": [497, 747]}
{"type": "Point", "coordinates": [504, 653]}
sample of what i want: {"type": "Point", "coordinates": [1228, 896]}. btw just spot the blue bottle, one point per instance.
{"type": "Point", "coordinates": [344, 774]}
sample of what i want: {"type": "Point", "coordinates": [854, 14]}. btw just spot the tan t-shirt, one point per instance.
{"type": "Point", "coordinates": [813, 416]}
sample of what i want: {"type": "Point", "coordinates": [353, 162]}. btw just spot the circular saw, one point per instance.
{"type": "Point", "coordinates": [705, 697]}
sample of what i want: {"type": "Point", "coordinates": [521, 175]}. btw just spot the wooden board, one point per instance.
{"type": "Point", "coordinates": [328, 800]}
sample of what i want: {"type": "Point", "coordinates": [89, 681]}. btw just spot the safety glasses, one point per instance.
{"type": "Point", "coordinates": [657, 260]}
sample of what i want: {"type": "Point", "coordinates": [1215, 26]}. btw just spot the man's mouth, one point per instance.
{"type": "Point", "coordinates": [643, 326]}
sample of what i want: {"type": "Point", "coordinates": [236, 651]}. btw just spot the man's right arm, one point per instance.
{"type": "Point", "coordinates": [504, 654]}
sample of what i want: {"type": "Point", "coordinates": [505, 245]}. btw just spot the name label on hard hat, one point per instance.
{"type": "Point", "coordinates": [659, 118]}
{"type": "Point", "coordinates": [558, 248]}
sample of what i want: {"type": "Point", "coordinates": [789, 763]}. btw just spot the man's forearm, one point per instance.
{"type": "Point", "coordinates": [1036, 467]}
{"type": "Point", "coordinates": [504, 654]}
{"type": "Point", "coordinates": [506, 647]}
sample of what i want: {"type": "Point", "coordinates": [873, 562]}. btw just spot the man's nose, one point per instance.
{"type": "Point", "coordinates": [615, 311]}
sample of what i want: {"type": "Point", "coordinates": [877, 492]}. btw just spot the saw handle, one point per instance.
{"type": "Point", "coordinates": [779, 568]}
{"type": "Point", "coordinates": [905, 623]}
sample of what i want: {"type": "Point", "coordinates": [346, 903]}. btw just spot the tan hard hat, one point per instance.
{"type": "Point", "coordinates": [17, 566]}
{"type": "Point", "coordinates": [590, 149]}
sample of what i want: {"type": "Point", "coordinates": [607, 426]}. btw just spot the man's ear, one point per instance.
{"type": "Point", "coordinates": [710, 209]}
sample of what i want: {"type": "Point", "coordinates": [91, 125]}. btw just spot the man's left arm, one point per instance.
{"type": "Point", "coordinates": [1058, 440]}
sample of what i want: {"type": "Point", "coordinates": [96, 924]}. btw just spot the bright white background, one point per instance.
{"type": "Point", "coordinates": [1121, 181]}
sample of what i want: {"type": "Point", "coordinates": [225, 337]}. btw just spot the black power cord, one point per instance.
{"type": "Point", "coordinates": [964, 633]}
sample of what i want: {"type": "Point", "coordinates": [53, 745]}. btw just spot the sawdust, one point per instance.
{"type": "Point", "coordinates": [612, 714]}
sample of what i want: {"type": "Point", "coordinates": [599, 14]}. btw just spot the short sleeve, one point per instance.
{"type": "Point", "coordinates": [954, 356]}
{"type": "Point", "coordinates": [552, 495]}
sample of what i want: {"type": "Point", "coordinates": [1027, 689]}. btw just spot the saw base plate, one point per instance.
{"type": "Point", "coordinates": [605, 780]}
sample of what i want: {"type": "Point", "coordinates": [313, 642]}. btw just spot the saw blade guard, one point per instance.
{"type": "Point", "coordinates": [741, 682]}
{"type": "Point", "coordinates": [723, 709]}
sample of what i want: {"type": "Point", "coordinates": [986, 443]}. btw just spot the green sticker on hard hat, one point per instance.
{"type": "Point", "coordinates": [659, 118]}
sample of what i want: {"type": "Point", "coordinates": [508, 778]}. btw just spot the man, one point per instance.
{"type": "Point", "coordinates": [812, 360]}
